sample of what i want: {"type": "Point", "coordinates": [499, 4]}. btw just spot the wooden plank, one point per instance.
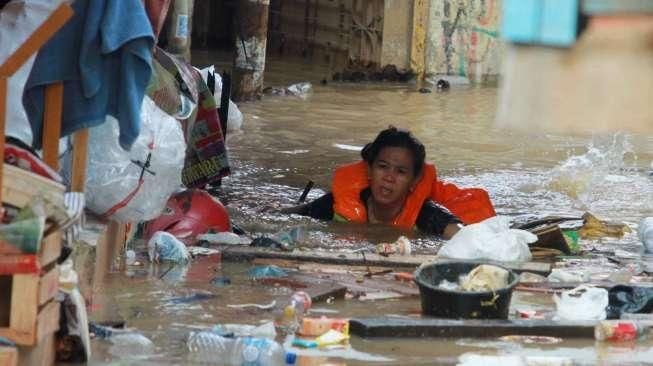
{"type": "Point", "coordinates": [42, 354]}
{"type": "Point", "coordinates": [24, 309]}
{"type": "Point", "coordinates": [49, 285]}
{"type": "Point", "coordinates": [3, 117]}
{"type": "Point", "coordinates": [19, 186]}
{"type": "Point", "coordinates": [318, 289]}
{"type": "Point", "coordinates": [48, 320]}
{"type": "Point", "coordinates": [36, 40]}
{"type": "Point", "coordinates": [8, 356]}
{"type": "Point", "coordinates": [235, 253]}
{"type": "Point", "coordinates": [80, 153]}
{"type": "Point", "coordinates": [473, 328]}
{"type": "Point", "coordinates": [317, 267]}
{"type": "Point", "coordinates": [50, 248]}
{"type": "Point", "coordinates": [52, 124]}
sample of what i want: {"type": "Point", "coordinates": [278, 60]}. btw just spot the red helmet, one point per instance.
{"type": "Point", "coordinates": [188, 214]}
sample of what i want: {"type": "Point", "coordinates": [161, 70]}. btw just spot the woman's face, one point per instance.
{"type": "Point", "coordinates": [392, 176]}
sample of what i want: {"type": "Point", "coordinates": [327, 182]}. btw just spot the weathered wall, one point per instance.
{"type": "Point", "coordinates": [397, 30]}
{"type": "Point", "coordinates": [463, 39]}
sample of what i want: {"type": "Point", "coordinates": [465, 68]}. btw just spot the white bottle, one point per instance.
{"type": "Point", "coordinates": [207, 347]}
{"type": "Point", "coordinates": [645, 231]}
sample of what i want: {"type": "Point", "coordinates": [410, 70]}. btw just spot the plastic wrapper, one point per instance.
{"type": "Point", "coordinates": [491, 239]}
{"type": "Point", "coordinates": [582, 303]}
{"type": "Point", "coordinates": [114, 175]}
{"type": "Point", "coordinates": [25, 232]}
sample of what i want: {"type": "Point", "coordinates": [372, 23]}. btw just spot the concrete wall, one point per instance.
{"type": "Point", "coordinates": [463, 39]}
{"type": "Point", "coordinates": [397, 30]}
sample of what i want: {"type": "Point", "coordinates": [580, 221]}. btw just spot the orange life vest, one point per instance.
{"type": "Point", "coordinates": [470, 205]}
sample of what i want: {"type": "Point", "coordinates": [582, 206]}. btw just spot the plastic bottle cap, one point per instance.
{"type": "Point", "coordinates": [291, 358]}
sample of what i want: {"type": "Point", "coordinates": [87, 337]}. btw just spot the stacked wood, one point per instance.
{"type": "Point", "coordinates": [29, 313]}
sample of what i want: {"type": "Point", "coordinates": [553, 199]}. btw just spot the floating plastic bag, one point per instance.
{"type": "Point", "coordinates": [582, 303]}
{"type": "Point", "coordinates": [164, 246]}
{"type": "Point", "coordinates": [235, 116]}
{"type": "Point", "coordinates": [120, 184]}
{"type": "Point", "coordinates": [491, 239]}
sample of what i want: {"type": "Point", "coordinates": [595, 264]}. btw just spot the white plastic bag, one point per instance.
{"type": "Point", "coordinates": [235, 116]}
{"type": "Point", "coordinates": [491, 239]}
{"type": "Point", "coordinates": [582, 303]}
{"type": "Point", "coordinates": [113, 173]}
{"type": "Point", "coordinates": [18, 20]}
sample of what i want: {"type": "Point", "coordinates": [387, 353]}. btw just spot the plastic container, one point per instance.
{"type": "Point", "coordinates": [293, 312]}
{"type": "Point", "coordinates": [461, 304]}
{"type": "Point", "coordinates": [208, 347]}
{"type": "Point", "coordinates": [645, 232]}
{"type": "Point", "coordinates": [620, 330]}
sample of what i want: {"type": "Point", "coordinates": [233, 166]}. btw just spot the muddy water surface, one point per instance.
{"type": "Point", "coordinates": [286, 141]}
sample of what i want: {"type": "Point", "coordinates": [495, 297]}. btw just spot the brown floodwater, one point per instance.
{"type": "Point", "coordinates": [286, 141]}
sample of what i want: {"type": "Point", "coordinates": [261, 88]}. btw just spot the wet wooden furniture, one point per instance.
{"type": "Point", "coordinates": [29, 315]}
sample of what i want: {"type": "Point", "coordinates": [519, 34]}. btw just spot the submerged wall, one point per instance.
{"type": "Point", "coordinates": [463, 39]}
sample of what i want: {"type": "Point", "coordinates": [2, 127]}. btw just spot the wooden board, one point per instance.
{"type": "Point", "coordinates": [19, 186]}
{"type": "Point", "coordinates": [473, 328]}
{"type": "Point", "coordinates": [50, 248]}
{"type": "Point", "coordinates": [49, 285]}
{"type": "Point", "coordinates": [43, 354]}
{"type": "Point", "coordinates": [8, 356]}
{"type": "Point", "coordinates": [235, 253]}
{"type": "Point", "coordinates": [26, 323]}
{"type": "Point", "coordinates": [317, 288]}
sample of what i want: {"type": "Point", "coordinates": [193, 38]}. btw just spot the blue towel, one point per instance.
{"type": "Point", "coordinates": [103, 55]}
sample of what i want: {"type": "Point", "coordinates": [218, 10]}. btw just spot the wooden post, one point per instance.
{"type": "Point", "coordinates": [3, 116]}
{"type": "Point", "coordinates": [249, 59]}
{"type": "Point", "coordinates": [417, 44]}
{"type": "Point", "coordinates": [80, 152]}
{"type": "Point", "coordinates": [52, 124]}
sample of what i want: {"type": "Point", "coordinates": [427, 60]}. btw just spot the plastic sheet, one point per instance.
{"type": "Point", "coordinates": [114, 175]}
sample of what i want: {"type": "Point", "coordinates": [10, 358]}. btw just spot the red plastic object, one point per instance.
{"type": "Point", "coordinates": [188, 214]}
{"type": "Point", "coordinates": [11, 264]}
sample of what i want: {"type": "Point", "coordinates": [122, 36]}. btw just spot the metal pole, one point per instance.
{"type": "Point", "coordinates": [249, 58]}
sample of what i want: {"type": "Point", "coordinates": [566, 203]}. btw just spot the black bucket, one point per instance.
{"type": "Point", "coordinates": [461, 304]}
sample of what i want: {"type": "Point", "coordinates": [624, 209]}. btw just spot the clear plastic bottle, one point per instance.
{"type": "Point", "coordinates": [211, 348]}
{"type": "Point", "coordinates": [293, 311]}
{"type": "Point", "coordinates": [620, 330]}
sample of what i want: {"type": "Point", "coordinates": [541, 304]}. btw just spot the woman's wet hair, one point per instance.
{"type": "Point", "coordinates": [395, 137]}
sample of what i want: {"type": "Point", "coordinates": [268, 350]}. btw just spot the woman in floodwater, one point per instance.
{"type": "Point", "coordinates": [394, 186]}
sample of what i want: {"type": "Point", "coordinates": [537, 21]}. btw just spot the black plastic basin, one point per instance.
{"type": "Point", "coordinates": [461, 304]}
